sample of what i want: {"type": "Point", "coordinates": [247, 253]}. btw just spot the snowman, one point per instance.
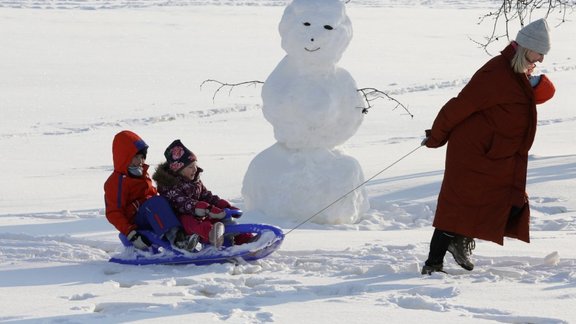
{"type": "Point", "coordinates": [313, 106]}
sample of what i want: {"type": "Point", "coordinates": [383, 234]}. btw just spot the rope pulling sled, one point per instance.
{"type": "Point", "coordinates": [268, 238]}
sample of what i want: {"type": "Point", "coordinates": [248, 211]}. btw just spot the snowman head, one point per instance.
{"type": "Point", "coordinates": [315, 31]}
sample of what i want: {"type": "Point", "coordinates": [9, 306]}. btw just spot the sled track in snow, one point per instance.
{"type": "Point", "coordinates": [386, 270]}
{"type": "Point", "coordinates": [375, 268]}
{"type": "Point", "coordinates": [57, 129]}
{"type": "Point", "coordinates": [461, 82]}
{"type": "Point", "coordinates": [71, 128]}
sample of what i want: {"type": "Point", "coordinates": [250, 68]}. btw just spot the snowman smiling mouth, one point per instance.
{"type": "Point", "coordinates": [311, 50]}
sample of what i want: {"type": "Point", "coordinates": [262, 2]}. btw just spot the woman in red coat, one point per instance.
{"type": "Point", "coordinates": [489, 128]}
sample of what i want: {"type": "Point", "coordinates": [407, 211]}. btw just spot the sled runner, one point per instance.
{"type": "Point", "coordinates": [267, 239]}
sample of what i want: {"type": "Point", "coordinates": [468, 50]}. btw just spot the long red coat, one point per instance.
{"type": "Point", "coordinates": [489, 127]}
{"type": "Point", "coordinates": [124, 194]}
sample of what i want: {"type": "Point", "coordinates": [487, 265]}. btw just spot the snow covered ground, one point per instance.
{"type": "Point", "coordinates": [74, 76]}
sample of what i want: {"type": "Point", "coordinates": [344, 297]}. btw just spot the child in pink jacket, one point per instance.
{"type": "Point", "coordinates": [199, 211]}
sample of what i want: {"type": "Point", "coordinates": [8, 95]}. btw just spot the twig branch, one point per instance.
{"type": "Point", "coordinates": [520, 10]}
{"type": "Point", "coordinates": [222, 85]}
{"type": "Point", "coordinates": [371, 94]}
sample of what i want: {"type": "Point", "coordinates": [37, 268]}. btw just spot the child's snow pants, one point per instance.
{"type": "Point", "coordinates": [157, 215]}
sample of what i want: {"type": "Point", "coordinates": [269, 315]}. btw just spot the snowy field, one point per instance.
{"type": "Point", "coordinates": [74, 73]}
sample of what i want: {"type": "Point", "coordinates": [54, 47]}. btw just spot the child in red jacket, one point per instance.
{"type": "Point", "coordinates": [200, 211]}
{"type": "Point", "coordinates": [132, 202]}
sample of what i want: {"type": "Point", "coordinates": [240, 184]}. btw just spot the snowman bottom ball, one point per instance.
{"type": "Point", "coordinates": [289, 184]}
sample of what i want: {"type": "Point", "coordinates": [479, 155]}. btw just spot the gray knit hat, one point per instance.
{"type": "Point", "coordinates": [535, 36]}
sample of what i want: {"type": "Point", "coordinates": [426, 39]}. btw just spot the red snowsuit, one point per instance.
{"type": "Point", "coordinates": [124, 194]}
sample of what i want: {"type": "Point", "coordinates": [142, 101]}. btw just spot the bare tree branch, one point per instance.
{"type": "Point", "coordinates": [521, 11]}
{"type": "Point", "coordinates": [371, 94]}
{"type": "Point", "coordinates": [231, 85]}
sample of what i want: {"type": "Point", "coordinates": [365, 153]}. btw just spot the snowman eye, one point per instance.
{"type": "Point", "coordinates": [306, 24]}
{"type": "Point", "coordinates": [328, 27]}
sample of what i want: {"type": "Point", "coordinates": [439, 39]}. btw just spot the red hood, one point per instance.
{"type": "Point", "coordinates": [125, 145]}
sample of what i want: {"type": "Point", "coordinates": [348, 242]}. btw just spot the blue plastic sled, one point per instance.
{"type": "Point", "coordinates": [268, 239]}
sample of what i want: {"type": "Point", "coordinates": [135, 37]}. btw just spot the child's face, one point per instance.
{"type": "Point", "coordinates": [137, 161]}
{"type": "Point", "coordinates": [189, 171]}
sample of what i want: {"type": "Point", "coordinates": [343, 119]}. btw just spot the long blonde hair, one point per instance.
{"type": "Point", "coordinates": [520, 63]}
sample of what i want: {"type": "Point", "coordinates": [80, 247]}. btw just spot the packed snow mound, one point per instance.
{"type": "Point", "coordinates": [313, 106]}
{"type": "Point", "coordinates": [315, 31]}
{"type": "Point", "coordinates": [310, 101]}
{"type": "Point", "coordinates": [293, 185]}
